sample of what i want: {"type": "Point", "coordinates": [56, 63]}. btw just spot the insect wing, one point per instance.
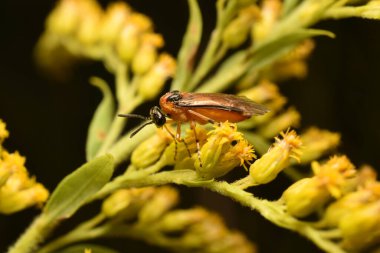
{"type": "Point", "coordinates": [220, 101]}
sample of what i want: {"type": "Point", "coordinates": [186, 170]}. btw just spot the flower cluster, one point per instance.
{"type": "Point", "coordinates": [17, 190]}
{"type": "Point", "coordinates": [118, 36]}
{"type": "Point", "coordinates": [149, 213]}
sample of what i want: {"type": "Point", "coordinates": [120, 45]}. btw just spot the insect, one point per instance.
{"type": "Point", "coordinates": [198, 108]}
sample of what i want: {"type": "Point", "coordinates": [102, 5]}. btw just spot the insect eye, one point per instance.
{"type": "Point", "coordinates": [175, 96]}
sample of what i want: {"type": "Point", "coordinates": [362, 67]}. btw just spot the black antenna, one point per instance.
{"type": "Point", "coordinates": [140, 127]}
{"type": "Point", "coordinates": [133, 116]}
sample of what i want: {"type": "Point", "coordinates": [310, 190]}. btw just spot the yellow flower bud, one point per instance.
{"type": "Point", "coordinates": [64, 19]}
{"type": "Point", "coordinates": [266, 93]}
{"type": "Point", "coordinates": [305, 197]}
{"type": "Point", "coordinates": [317, 142]}
{"type": "Point", "coordinates": [150, 150]}
{"type": "Point", "coordinates": [15, 201]}
{"type": "Point", "coordinates": [336, 174]}
{"type": "Point", "coordinates": [164, 198]}
{"type": "Point", "coordinates": [337, 211]}
{"type": "Point", "coordinates": [89, 26]}
{"type": "Point", "coordinates": [117, 202]}
{"type": "Point", "coordinates": [237, 31]}
{"type": "Point", "coordinates": [126, 203]}
{"type": "Point", "coordinates": [3, 131]}
{"type": "Point", "coordinates": [113, 21]}
{"type": "Point", "coordinates": [361, 228]}
{"type": "Point", "coordinates": [180, 219]}
{"type": "Point", "coordinates": [127, 43]}
{"type": "Point", "coordinates": [290, 117]}
{"type": "Point", "coordinates": [146, 55]}
{"type": "Point", "coordinates": [224, 150]}
{"type": "Point", "coordinates": [151, 83]}
{"type": "Point", "coordinates": [129, 39]}
{"type": "Point", "coordinates": [270, 12]}
{"type": "Point", "coordinates": [277, 158]}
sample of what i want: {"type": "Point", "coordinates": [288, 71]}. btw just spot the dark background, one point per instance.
{"type": "Point", "coordinates": [48, 120]}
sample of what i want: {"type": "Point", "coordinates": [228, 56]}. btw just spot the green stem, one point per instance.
{"type": "Point", "coordinates": [35, 234]}
{"type": "Point", "coordinates": [84, 231]}
{"type": "Point", "coordinates": [273, 211]}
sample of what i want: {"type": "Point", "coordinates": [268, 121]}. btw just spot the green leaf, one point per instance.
{"type": "Point", "coordinates": [273, 49]}
{"type": "Point", "coordinates": [189, 48]}
{"type": "Point", "coordinates": [261, 56]}
{"type": "Point", "coordinates": [101, 120]}
{"type": "Point", "coordinates": [81, 247]}
{"type": "Point", "coordinates": [75, 189]}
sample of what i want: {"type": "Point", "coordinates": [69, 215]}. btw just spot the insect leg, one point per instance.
{"type": "Point", "coordinates": [178, 137]}
{"type": "Point", "coordinates": [175, 141]}
{"type": "Point", "coordinates": [205, 118]}
{"type": "Point", "coordinates": [192, 126]}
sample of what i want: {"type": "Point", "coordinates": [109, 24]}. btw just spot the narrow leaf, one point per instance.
{"type": "Point", "coordinates": [75, 189]}
{"type": "Point", "coordinates": [81, 247]}
{"type": "Point", "coordinates": [261, 56]}
{"type": "Point", "coordinates": [189, 48]}
{"type": "Point", "coordinates": [101, 120]}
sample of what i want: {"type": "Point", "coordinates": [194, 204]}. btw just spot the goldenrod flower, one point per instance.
{"type": "Point", "coordinates": [317, 142]}
{"type": "Point", "coordinates": [180, 219]}
{"type": "Point", "coordinates": [113, 21]}
{"type": "Point", "coordinates": [270, 12]}
{"type": "Point", "coordinates": [64, 19]}
{"type": "Point", "coordinates": [361, 228]}
{"type": "Point", "coordinates": [164, 198]}
{"type": "Point", "coordinates": [3, 131]}
{"type": "Point", "coordinates": [146, 54]}
{"type": "Point", "coordinates": [293, 64]}
{"type": "Point", "coordinates": [224, 150]}
{"type": "Point", "coordinates": [266, 93]}
{"type": "Point", "coordinates": [126, 203]}
{"type": "Point", "coordinates": [337, 211]}
{"type": "Point", "coordinates": [129, 38]}
{"type": "Point", "coordinates": [151, 83]}
{"type": "Point", "coordinates": [289, 118]}
{"type": "Point", "coordinates": [17, 190]}
{"type": "Point", "coordinates": [278, 157]}
{"type": "Point", "coordinates": [335, 174]}
{"type": "Point", "coordinates": [310, 194]}
{"type": "Point", "coordinates": [88, 28]}
{"type": "Point", "coordinates": [238, 29]}
{"type": "Point", "coordinates": [150, 150]}
{"type": "Point", "coordinates": [305, 197]}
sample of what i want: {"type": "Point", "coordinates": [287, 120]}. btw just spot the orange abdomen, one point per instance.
{"type": "Point", "coordinates": [216, 115]}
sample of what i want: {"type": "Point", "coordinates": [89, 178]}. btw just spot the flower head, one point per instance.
{"type": "Point", "coordinates": [224, 150]}
{"type": "Point", "coordinates": [278, 157]}
{"type": "Point", "coordinates": [17, 190]}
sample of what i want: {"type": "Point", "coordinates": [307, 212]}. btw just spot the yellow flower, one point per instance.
{"type": "Point", "coordinates": [238, 29]}
{"type": "Point", "coordinates": [277, 158]}
{"type": "Point", "coordinates": [337, 211]}
{"type": "Point", "coordinates": [150, 150]}
{"type": "Point", "coordinates": [17, 190]}
{"type": "Point", "coordinates": [151, 83]}
{"type": "Point", "coordinates": [335, 174]}
{"type": "Point", "coordinates": [3, 131]}
{"type": "Point", "coordinates": [164, 198]}
{"type": "Point", "coordinates": [146, 54]}
{"type": "Point", "coordinates": [113, 21]}
{"type": "Point", "coordinates": [317, 142]}
{"type": "Point", "coordinates": [126, 203]}
{"type": "Point", "coordinates": [289, 118]}
{"type": "Point", "coordinates": [224, 150]}
{"type": "Point", "coordinates": [310, 194]}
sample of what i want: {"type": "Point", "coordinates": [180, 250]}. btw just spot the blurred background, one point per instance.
{"type": "Point", "coordinates": [48, 120]}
